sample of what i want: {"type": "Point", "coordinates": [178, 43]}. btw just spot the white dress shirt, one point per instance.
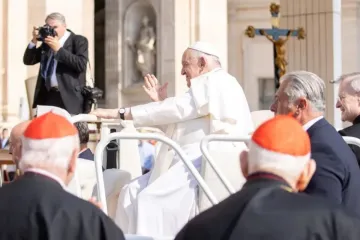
{"type": "Point", "coordinates": [309, 124]}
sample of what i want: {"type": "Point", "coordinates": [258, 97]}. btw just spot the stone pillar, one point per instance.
{"type": "Point", "coordinates": [3, 18]}
{"type": "Point", "coordinates": [16, 72]}
{"type": "Point", "coordinates": [112, 53]}
{"type": "Point", "coordinates": [36, 17]}
{"type": "Point", "coordinates": [320, 52]}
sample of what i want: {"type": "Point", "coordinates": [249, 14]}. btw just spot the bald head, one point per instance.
{"type": "Point", "coordinates": [15, 140]}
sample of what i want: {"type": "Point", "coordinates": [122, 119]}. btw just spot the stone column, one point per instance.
{"type": "Point", "coordinates": [16, 72]}
{"type": "Point", "coordinates": [36, 17]}
{"type": "Point", "coordinates": [2, 52]}
{"type": "Point", "coordinates": [112, 53]}
{"type": "Point", "coordinates": [320, 52]}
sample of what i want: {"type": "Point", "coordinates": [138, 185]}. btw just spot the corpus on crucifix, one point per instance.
{"type": "Point", "coordinates": [278, 37]}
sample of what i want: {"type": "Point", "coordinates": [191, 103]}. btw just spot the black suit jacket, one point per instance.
{"type": "Point", "coordinates": [353, 131]}
{"type": "Point", "coordinates": [337, 175]}
{"type": "Point", "coordinates": [276, 215]}
{"type": "Point", "coordinates": [37, 207]}
{"type": "Point", "coordinates": [87, 154]}
{"type": "Point", "coordinates": [70, 72]}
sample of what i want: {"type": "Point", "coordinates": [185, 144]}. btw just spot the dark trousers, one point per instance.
{"type": "Point", "coordinates": [53, 98]}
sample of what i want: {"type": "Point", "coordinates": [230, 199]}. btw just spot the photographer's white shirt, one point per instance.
{"type": "Point", "coordinates": [62, 40]}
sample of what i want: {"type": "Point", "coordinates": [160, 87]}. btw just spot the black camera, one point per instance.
{"type": "Point", "coordinates": [91, 95]}
{"type": "Point", "coordinates": [46, 31]}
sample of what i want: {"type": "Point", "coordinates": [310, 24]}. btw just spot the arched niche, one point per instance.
{"type": "Point", "coordinates": [132, 23]}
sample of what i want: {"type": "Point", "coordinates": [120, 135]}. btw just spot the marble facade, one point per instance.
{"type": "Point", "coordinates": [330, 48]}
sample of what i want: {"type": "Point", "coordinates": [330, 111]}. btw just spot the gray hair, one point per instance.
{"type": "Point", "coordinates": [354, 80]}
{"type": "Point", "coordinates": [212, 58]}
{"type": "Point", "coordinates": [56, 16]}
{"type": "Point", "coordinates": [306, 84]}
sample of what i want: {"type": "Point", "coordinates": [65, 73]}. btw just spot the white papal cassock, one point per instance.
{"type": "Point", "coordinates": [215, 103]}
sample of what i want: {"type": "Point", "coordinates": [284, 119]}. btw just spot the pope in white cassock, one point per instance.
{"type": "Point", "coordinates": [214, 104]}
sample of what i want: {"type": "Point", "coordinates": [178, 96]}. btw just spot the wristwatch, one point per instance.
{"type": "Point", "coordinates": [122, 113]}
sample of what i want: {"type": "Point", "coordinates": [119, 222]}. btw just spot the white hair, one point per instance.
{"type": "Point", "coordinates": [354, 80]}
{"type": "Point", "coordinates": [209, 57]}
{"type": "Point", "coordinates": [52, 153]}
{"type": "Point", "coordinates": [308, 85]}
{"type": "Point", "coordinates": [56, 16]}
{"type": "Point", "coordinates": [260, 159]}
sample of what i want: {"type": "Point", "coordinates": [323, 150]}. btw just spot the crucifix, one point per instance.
{"type": "Point", "coordinates": [274, 35]}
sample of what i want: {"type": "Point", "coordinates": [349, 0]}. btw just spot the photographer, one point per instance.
{"type": "Point", "coordinates": [63, 58]}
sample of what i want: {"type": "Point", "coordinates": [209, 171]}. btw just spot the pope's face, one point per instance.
{"type": "Point", "coordinates": [191, 67]}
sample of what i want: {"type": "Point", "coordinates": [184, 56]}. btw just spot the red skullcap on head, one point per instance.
{"type": "Point", "coordinates": [282, 134]}
{"type": "Point", "coordinates": [50, 126]}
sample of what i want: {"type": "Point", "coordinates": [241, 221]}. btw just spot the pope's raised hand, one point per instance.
{"type": "Point", "coordinates": [106, 113]}
{"type": "Point", "coordinates": [153, 89]}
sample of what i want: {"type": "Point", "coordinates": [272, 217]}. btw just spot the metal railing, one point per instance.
{"type": "Point", "coordinates": [88, 118]}
{"type": "Point", "coordinates": [206, 154]}
{"type": "Point", "coordinates": [352, 140]}
{"type": "Point", "coordinates": [144, 136]}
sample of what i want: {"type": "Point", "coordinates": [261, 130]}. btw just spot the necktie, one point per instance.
{"type": "Point", "coordinates": [47, 68]}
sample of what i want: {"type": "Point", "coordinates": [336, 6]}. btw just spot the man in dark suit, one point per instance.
{"type": "Point", "coordinates": [4, 139]}
{"type": "Point", "coordinates": [277, 166]}
{"type": "Point", "coordinates": [63, 62]}
{"type": "Point", "coordinates": [348, 103]}
{"type": "Point", "coordinates": [85, 152]}
{"type": "Point", "coordinates": [36, 205]}
{"type": "Point", "coordinates": [337, 177]}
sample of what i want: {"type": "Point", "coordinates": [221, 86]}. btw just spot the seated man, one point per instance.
{"type": "Point", "coordinates": [277, 166]}
{"type": "Point", "coordinates": [337, 176]}
{"type": "Point", "coordinates": [4, 139]}
{"type": "Point", "coordinates": [85, 171]}
{"type": "Point", "coordinates": [84, 135]}
{"type": "Point", "coordinates": [161, 202]}
{"type": "Point", "coordinates": [348, 103]}
{"type": "Point", "coordinates": [36, 206]}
